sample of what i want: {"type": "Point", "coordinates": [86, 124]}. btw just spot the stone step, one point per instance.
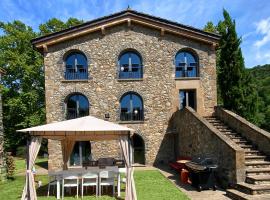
{"type": "Point", "coordinates": [258, 171]}
{"type": "Point", "coordinates": [245, 146]}
{"type": "Point", "coordinates": [262, 163]}
{"type": "Point", "coordinates": [258, 179]}
{"type": "Point", "coordinates": [242, 142]}
{"type": "Point", "coordinates": [255, 157]}
{"type": "Point", "coordinates": [238, 136]}
{"type": "Point", "coordinates": [248, 147]}
{"type": "Point", "coordinates": [229, 133]}
{"type": "Point", "coordinates": [210, 117]}
{"type": "Point", "coordinates": [253, 189]}
{"type": "Point", "coordinates": [255, 151]}
{"type": "Point", "coordinates": [212, 120]}
{"type": "Point", "coordinates": [216, 122]}
{"type": "Point", "coordinates": [237, 195]}
{"type": "Point", "coordinates": [222, 126]}
{"type": "Point", "coordinates": [225, 129]}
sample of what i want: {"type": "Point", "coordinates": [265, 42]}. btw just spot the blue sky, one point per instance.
{"type": "Point", "coordinates": [252, 16]}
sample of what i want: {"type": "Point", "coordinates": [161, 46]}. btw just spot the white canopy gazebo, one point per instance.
{"type": "Point", "coordinates": [68, 132]}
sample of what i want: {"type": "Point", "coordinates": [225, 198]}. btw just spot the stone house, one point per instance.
{"type": "Point", "coordinates": [157, 77]}
{"type": "Point", "coordinates": [130, 68]}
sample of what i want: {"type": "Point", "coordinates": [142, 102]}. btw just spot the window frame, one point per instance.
{"type": "Point", "coordinates": [133, 72]}
{"type": "Point", "coordinates": [75, 69]}
{"type": "Point", "coordinates": [141, 112]}
{"type": "Point", "coordinates": [77, 114]}
{"type": "Point", "coordinates": [186, 65]}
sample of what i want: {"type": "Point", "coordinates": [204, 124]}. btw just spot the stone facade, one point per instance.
{"type": "Point", "coordinates": [158, 88]}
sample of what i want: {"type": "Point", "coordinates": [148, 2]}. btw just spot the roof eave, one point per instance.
{"type": "Point", "coordinates": [136, 17]}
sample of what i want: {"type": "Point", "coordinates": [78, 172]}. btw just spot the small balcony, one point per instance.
{"type": "Point", "coordinates": [76, 74]}
{"type": "Point", "coordinates": [125, 116]}
{"type": "Point", "coordinates": [181, 72]}
{"type": "Point", "coordinates": [73, 113]}
{"type": "Point", "coordinates": [134, 72]}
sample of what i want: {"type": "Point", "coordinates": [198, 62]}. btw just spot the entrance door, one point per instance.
{"type": "Point", "coordinates": [139, 149]}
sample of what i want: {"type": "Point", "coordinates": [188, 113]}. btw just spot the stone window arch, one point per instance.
{"type": "Point", "coordinates": [186, 63]}
{"type": "Point", "coordinates": [131, 107]}
{"type": "Point", "coordinates": [130, 65]}
{"type": "Point", "coordinates": [76, 65]}
{"type": "Point", "coordinates": [77, 105]}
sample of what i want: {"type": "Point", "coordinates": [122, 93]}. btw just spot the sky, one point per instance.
{"type": "Point", "coordinates": [252, 16]}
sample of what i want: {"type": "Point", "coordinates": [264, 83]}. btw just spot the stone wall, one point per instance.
{"type": "Point", "coordinates": [199, 138]}
{"type": "Point", "coordinates": [157, 88]}
{"type": "Point", "coordinates": [2, 154]}
{"type": "Point", "coordinates": [259, 137]}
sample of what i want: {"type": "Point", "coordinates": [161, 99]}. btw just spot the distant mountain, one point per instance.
{"type": "Point", "coordinates": [261, 75]}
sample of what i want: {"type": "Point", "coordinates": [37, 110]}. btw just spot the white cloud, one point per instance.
{"type": "Point", "coordinates": [263, 28]}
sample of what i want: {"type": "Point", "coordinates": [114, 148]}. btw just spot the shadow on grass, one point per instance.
{"type": "Point", "coordinates": [42, 164]}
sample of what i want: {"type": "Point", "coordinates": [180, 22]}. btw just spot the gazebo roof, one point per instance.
{"type": "Point", "coordinates": [79, 128]}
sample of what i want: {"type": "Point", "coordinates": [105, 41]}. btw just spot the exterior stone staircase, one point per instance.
{"type": "Point", "coordinates": [257, 182]}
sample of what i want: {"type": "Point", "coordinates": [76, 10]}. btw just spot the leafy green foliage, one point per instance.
{"type": "Point", "coordinates": [210, 27]}
{"type": "Point", "coordinates": [236, 88]}
{"type": "Point", "coordinates": [54, 25]}
{"type": "Point", "coordinates": [23, 92]}
{"type": "Point", "coordinates": [23, 84]}
{"type": "Point", "coordinates": [261, 74]}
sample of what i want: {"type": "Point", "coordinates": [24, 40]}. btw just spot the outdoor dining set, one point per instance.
{"type": "Point", "coordinates": [81, 179]}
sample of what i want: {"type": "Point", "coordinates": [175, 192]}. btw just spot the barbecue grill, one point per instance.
{"type": "Point", "coordinates": [202, 172]}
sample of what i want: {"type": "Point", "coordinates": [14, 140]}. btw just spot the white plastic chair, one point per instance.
{"type": "Point", "coordinates": [89, 179]}
{"type": "Point", "coordinates": [124, 172]}
{"type": "Point", "coordinates": [52, 182]}
{"type": "Point", "coordinates": [70, 181]}
{"type": "Point", "coordinates": [106, 178]}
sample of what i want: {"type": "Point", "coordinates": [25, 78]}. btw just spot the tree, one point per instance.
{"type": "Point", "coordinates": [210, 27]}
{"type": "Point", "coordinates": [236, 85]}
{"type": "Point", "coordinates": [23, 84]}
{"type": "Point", "coordinates": [54, 25]}
{"type": "Point", "coordinates": [23, 92]}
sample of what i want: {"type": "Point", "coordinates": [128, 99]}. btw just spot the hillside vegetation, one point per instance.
{"type": "Point", "coordinates": [261, 76]}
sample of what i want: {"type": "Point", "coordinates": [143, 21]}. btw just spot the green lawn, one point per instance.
{"type": "Point", "coordinates": [20, 164]}
{"type": "Point", "coordinates": [150, 185]}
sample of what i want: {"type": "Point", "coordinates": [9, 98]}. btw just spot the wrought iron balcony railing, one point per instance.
{"type": "Point", "coordinates": [73, 74]}
{"type": "Point", "coordinates": [73, 113]}
{"type": "Point", "coordinates": [135, 72]}
{"type": "Point", "coordinates": [124, 116]}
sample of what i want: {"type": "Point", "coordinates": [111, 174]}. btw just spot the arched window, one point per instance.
{"type": "Point", "coordinates": [186, 65]}
{"type": "Point", "coordinates": [77, 106]}
{"type": "Point", "coordinates": [76, 66]}
{"type": "Point", "coordinates": [130, 65]}
{"type": "Point", "coordinates": [131, 107]}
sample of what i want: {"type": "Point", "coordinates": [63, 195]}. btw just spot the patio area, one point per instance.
{"type": "Point", "coordinates": [102, 174]}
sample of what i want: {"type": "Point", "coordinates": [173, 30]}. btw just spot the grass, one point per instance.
{"type": "Point", "coordinates": [153, 185]}
{"type": "Point", "coordinates": [150, 185]}
{"type": "Point", "coordinates": [20, 164]}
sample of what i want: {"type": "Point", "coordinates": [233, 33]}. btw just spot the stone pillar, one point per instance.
{"type": "Point", "coordinates": [3, 170]}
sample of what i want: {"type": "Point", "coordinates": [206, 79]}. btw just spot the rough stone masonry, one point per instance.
{"type": "Point", "coordinates": [158, 88]}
